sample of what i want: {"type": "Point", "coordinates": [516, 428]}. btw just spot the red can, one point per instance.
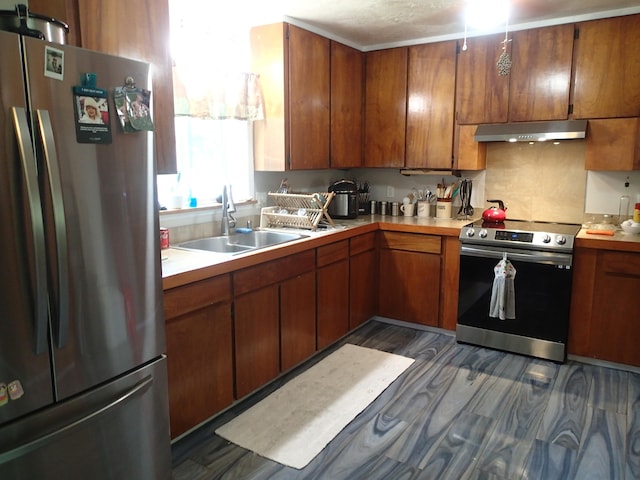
{"type": "Point", "coordinates": [164, 238]}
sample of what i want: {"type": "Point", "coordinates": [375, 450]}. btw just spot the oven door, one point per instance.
{"type": "Point", "coordinates": [542, 285]}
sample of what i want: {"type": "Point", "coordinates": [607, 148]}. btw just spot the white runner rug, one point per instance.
{"type": "Point", "coordinates": [293, 424]}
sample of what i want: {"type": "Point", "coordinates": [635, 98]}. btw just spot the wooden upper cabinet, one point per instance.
{"type": "Point", "coordinates": [467, 153]}
{"type": "Point", "coordinates": [541, 74]}
{"type": "Point", "coordinates": [607, 72]}
{"type": "Point", "coordinates": [309, 102]}
{"type": "Point", "coordinates": [537, 88]}
{"type": "Point", "coordinates": [613, 144]}
{"type": "Point", "coordinates": [103, 28]}
{"type": "Point", "coordinates": [385, 107]}
{"type": "Point", "coordinates": [430, 105]}
{"type": "Point", "coordinates": [347, 95]}
{"type": "Point", "coordinates": [293, 65]}
{"type": "Point", "coordinates": [482, 95]}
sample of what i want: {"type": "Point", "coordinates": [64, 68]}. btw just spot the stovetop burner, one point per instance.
{"type": "Point", "coordinates": [521, 233]}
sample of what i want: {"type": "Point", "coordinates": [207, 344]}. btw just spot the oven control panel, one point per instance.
{"type": "Point", "coordinates": [514, 236]}
{"type": "Point", "coordinates": [525, 239]}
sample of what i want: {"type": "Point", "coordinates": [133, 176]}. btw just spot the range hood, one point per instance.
{"type": "Point", "coordinates": [531, 131]}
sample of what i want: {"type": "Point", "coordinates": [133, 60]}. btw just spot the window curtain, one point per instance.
{"type": "Point", "coordinates": [218, 97]}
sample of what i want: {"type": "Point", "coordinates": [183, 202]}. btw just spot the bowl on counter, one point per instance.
{"type": "Point", "coordinates": [630, 227]}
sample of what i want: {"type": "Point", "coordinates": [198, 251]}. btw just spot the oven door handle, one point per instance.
{"type": "Point", "coordinates": [548, 258]}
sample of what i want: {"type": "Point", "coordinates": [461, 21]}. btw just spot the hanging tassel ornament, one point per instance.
{"type": "Point", "coordinates": [504, 62]}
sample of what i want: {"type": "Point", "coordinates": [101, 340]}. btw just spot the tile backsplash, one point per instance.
{"type": "Point", "coordinates": [539, 181]}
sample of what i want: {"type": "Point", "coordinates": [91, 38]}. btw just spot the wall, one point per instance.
{"type": "Point", "coordinates": [543, 182]}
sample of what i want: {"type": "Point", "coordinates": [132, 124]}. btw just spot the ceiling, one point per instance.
{"type": "Point", "coordinates": [374, 24]}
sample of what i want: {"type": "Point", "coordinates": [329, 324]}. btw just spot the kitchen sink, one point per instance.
{"type": "Point", "coordinates": [241, 242]}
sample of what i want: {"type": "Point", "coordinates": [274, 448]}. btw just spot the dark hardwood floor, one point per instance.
{"type": "Point", "coordinates": [459, 412]}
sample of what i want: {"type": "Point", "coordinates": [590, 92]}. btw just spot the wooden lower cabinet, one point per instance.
{"type": "Point", "coordinates": [270, 310]}
{"type": "Point", "coordinates": [363, 279]}
{"type": "Point", "coordinates": [409, 285]}
{"type": "Point", "coordinates": [332, 292]}
{"type": "Point", "coordinates": [257, 339]}
{"type": "Point", "coordinates": [605, 310]}
{"type": "Point", "coordinates": [199, 352]}
{"type": "Point", "coordinates": [297, 319]}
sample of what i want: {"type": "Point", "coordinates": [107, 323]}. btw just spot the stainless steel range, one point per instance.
{"type": "Point", "coordinates": [515, 286]}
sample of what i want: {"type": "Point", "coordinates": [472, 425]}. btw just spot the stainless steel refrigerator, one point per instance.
{"type": "Point", "coordinates": [83, 382]}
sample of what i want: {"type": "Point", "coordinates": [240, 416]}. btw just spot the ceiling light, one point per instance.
{"type": "Point", "coordinates": [486, 14]}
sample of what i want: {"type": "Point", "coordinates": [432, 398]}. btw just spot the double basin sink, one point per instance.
{"type": "Point", "coordinates": [241, 242]}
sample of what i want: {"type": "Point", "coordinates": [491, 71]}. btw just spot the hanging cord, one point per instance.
{"type": "Point", "coordinates": [504, 62]}
{"type": "Point", "coordinates": [464, 43]}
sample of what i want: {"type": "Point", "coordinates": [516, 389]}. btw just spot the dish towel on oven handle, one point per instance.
{"type": "Point", "coordinates": [503, 292]}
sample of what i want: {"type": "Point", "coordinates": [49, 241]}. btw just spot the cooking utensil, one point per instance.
{"type": "Point", "coordinates": [495, 214]}
{"type": "Point", "coordinates": [24, 22]}
{"type": "Point", "coordinates": [466, 186]}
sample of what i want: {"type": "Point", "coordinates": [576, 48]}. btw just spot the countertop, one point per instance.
{"type": "Point", "coordinates": [621, 241]}
{"type": "Point", "coordinates": [180, 266]}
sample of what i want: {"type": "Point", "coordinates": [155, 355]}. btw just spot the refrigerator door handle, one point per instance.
{"type": "Point", "coordinates": [61, 320]}
{"type": "Point", "coordinates": [28, 162]}
{"type": "Point", "coordinates": [30, 445]}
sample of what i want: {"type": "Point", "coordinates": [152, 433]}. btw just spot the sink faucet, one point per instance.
{"type": "Point", "coordinates": [228, 207]}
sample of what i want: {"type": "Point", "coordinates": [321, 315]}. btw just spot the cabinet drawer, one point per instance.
{"type": "Point", "coordinates": [411, 242]}
{"type": "Point", "coordinates": [332, 253]}
{"type": "Point", "coordinates": [252, 278]}
{"type": "Point", "coordinates": [619, 262]}
{"type": "Point", "coordinates": [362, 243]}
{"type": "Point", "coordinates": [192, 297]}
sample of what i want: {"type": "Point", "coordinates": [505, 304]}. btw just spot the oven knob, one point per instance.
{"type": "Point", "coordinates": [470, 232]}
{"type": "Point", "coordinates": [546, 239]}
{"type": "Point", "coordinates": [483, 233]}
{"type": "Point", "coordinates": [561, 240]}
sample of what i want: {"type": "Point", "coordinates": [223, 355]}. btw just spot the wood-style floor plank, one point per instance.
{"type": "Point", "coordinates": [460, 412]}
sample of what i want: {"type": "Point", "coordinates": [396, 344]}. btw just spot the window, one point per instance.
{"type": "Point", "coordinates": [211, 151]}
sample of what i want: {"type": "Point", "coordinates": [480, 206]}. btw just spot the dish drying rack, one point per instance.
{"type": "Point", "coordinates": [297, 210]}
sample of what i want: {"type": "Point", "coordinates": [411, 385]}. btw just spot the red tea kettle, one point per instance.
{"type": "Point", "coordinates": [495, 214]}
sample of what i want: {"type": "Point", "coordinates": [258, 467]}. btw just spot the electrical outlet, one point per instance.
{"type": "Point", "coordinates": [391, 192]}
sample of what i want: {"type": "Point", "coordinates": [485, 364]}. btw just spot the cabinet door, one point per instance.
{"type": "Point", "coordinates": [467, 153]}
{"type": "Point", "coordinates": [613, 144]}
{"type": "Point", "coordinates": [616, 310]}
{"type": "Point", "coordinates": [104, 27]}
{"type": "Point", "coordinates": [308, 121]}
{"type": "Point", "coordinates": [541, 74]}
{"type": "Point", "coordinates": [347, 82]}
{"type": "Point", "coordinates": [363, 282]}
{"type": "Point", "coordinates": [385, 107]}
{"type": "Point", "coordinates": [482, 96]}
{"type": "Point", "coordinates": [200, 366]}
{"type": "Point", "coordinates": [409, 286]}
{"type": "Point", "coordinates": [430, 107]}
{"type": "Point", "coordinates": [297, 320]}
{"type": "Point", "coordinates": [333, 302]}
{"type": "Point", "coordinates": [607, 74]}
{"type": "Point", "coordinates": [257, 339]}
{"type": "Point", "coordinates": [267, 44]}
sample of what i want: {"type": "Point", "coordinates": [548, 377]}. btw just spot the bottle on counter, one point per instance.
{"type": "Point", "coordinates": [636, 213]}
{"type": "Point", "coordinates": [623, 210]}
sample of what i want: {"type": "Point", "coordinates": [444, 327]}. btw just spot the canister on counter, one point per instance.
{"type": "Point", "coordinates": [395, 209]}
{"type": "Point", "coordinates": [164, 238]}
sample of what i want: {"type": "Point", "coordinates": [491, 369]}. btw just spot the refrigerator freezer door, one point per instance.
{"type": "Point", "coordinates": [24, 353]}
{"type": "Point", "coordinates": [106, 300]}
{"type": "Point", "coordinates": [119, 430]}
